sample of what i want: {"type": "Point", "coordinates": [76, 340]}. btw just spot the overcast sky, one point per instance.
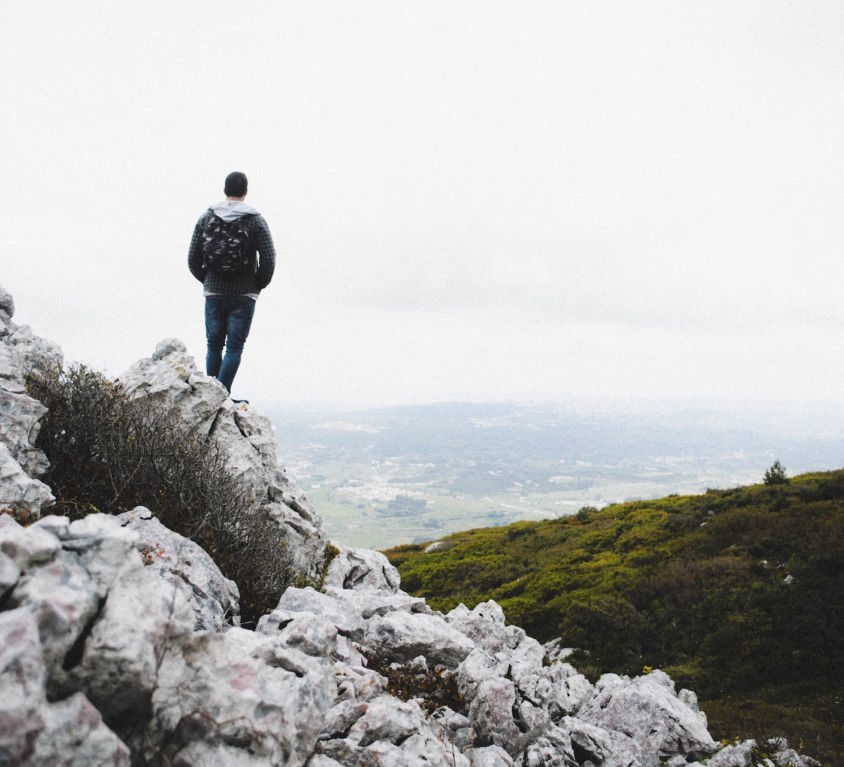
{"type": "Point", "coordinates": [470, 200]}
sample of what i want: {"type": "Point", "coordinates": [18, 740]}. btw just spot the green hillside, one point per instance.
{"type": "Point", "coordinates": [738, 594]}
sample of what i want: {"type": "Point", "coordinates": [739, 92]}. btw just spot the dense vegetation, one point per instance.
{"type": "Point", "coordinates": [109, 453]}
{"type": "Point", "coordinates": [738, 594]}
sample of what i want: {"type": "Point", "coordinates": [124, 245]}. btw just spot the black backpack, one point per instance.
{"type": "Point", "coordinates": [225, 246]}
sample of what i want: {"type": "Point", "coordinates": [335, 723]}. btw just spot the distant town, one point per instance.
{"type": "Point", "coordinates": [411, 474]}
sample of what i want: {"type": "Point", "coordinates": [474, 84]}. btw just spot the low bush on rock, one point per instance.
{"type": "Point", "coordinates": [109, 453]}
{"type": "Point", "coordinates": [432, 688]}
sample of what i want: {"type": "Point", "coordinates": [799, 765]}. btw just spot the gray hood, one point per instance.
{"type": "Point", "coordinates": [231, 210]}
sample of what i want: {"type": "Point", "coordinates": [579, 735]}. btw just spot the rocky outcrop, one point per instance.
{"type": "Point", "coordinates": [119, 641]}
{"type": "Point", "coordinates": [170, 378]}
{"type": "Point", "coordinates": [188, 568]}
{"type": "Point", "coordinates": [21, 463]}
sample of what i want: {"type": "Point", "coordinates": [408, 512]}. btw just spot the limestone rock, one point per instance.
{"type": "Point", "coordinates": [491, 712]}
{"type": "Point", "coordinates": [311, 634]}
{"type": "Point", "coordinates": [457, 726]}
{"type": "Point", "coordinates": [391, 732]}
{"type": "Point", "coordinates": [33, 732]}
{"type": "Point", "coordinates": [476, 668]}
{"type": "Point", "coordinates": [213, 598]}
{"type": "Point", "coordinates": [119, 668]}
{"type": "Point", "coordinates": [26, 547]}
{"type": "Point", "coordinates": [738, 755]}
{"type": "Point", "coordinates": [557, 689]}
{"type": "Point", "coordinates": [489, 756]}
{"type": "Point", "coordinates": [74, 735]}
{"type": "Point", "coordinates": [23, 684]}
{"type": "Point", "coordinates": [9, 574]}
{"type": "Point", "coordinates": [214, 693]}
{"type": "Point", "coordinates": [647, 709]}
{"type": "Point", "coordinates": [552, 748]}
{"type": "Point", "coordinates": [103, 620]}
{"type": "Point", "coordinates": [19, 492]}
{"type": "Point", "coordinates": [400, 637]}
{"type": "Point", "coordinates": [64, 600]}
{"type": "Point", "coordinates": [7, 304]}
{"type": "Point", "coordinates": [20, 422]}
{"type": "Point", "coordinates": [484, 625]}
{"type": "Point", "coordinates": [21, 463]}
{"type": "Point", "coordinates": [784, 756]}
{"type": "Point", "coordinates": [362, 569]}
{"type": "Point", "coordinates": [170, 378]}
{"type": "Point", "coordinates": [341, 613]}
{"type": "Point", "coordinates": [34, 353]}
{"type": "Point", "coordinates": [341, 717]}
{"type": "Point", "coordinates": [436, 546]}
{"type": "Point", "coordinates": [387, 718]}
{"type": "Point", "coordinates": [605, 747]}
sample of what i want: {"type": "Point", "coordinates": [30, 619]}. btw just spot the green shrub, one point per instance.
{"type": "Point", "coordinates": [110, 453]}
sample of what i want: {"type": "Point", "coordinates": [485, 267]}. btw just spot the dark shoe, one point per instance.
{"type": "Point", "coordinates": [240, 401]}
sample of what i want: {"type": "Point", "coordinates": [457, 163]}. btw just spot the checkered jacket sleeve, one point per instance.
{"type": "Point", "coordinates": [253, 281]}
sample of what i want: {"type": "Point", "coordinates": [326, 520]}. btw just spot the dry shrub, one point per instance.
{"type": "Point", "coordinates": [110, 453]}
{"type": "Point", "coordinates": [432, 688]}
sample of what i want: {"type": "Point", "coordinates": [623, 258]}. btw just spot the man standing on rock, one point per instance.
{"type": "Point", "coordinates": [232, 255]}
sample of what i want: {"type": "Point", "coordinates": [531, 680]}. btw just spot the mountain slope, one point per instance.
{"type": "Point", "coordinates": [737, 593]}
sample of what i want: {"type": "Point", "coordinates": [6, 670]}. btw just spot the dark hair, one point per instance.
{"type": "Point", "coordinates": [235, 184]}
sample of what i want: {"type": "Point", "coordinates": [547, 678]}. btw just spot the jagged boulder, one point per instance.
{"type": "Point", "coordinates": [213, 598]}
{"type": "Point", "coordinates": [19, 492]}
{"type": "Point", "coordinates": [103, 619]}
{"type": "Point", "coordinates": [489, 756]}
{"type": "Point", "coordinates": [7, 305]}
{"type": "Point", "coordinates": [170, 378]}
{"type": "Point", "coordinates": [218, 693]}
{"type": "Point", "coordinates": [362, 570]}
{"type": "Point", "coordinates": [21, 462]}
{"type": "Point", "coordinates": [400, 636]}
{"type": "Point", "coordinates": [648, 710]}
{"type": "Point", "coordinates": [33, 731]}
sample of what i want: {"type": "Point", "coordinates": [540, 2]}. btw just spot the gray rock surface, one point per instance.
{"type": "Point", "coordinates": [489, 756]}
{"type": "Point", "coordinates": [362, 570]}
{"type": "Point", "coordinates": [34, 732]}
{"type": "Point", "coordinates": [648, 710]}
{"type": "Point", "coordinates": [238, 689]}
{"type": "Point", "coordinates": [213, 598]}
{"type": "Point", "coordinates": [24, 496]}
{"type": "Point", "coordinates": [170, 378]}
{"type": "Point", "coordinates": [400, 636]}
{"type": "Point", "coordinates": [738, 755]}
{"type": "Point", "coordinates": [21, 463]}
{"type": "Point", "coordinates": [7, 305]}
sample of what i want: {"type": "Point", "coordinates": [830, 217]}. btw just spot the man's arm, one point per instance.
{"type": "Point", "coordinates": [266, 263]}
{"type": "Point", "coordinates": [195, 253]}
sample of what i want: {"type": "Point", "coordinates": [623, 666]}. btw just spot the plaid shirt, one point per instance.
{"type": "Point", "coordinates": [251, 281]}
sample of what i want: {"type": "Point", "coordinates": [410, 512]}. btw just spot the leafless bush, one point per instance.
{"type": "Point", "coordinates": [110, 453]}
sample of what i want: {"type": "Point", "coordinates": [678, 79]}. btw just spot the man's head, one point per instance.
{"type": "Point", "coordinates": [236, 184]}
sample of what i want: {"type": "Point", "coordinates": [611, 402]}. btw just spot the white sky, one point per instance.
{"type": "Point", "coordinates": [469, 200]}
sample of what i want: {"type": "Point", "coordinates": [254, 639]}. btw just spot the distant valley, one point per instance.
{"type": "Point", "coordinates": [383, 477]}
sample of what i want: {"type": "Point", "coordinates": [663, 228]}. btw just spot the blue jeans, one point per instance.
{"type": "Point", "coordinates": [227, 320]}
